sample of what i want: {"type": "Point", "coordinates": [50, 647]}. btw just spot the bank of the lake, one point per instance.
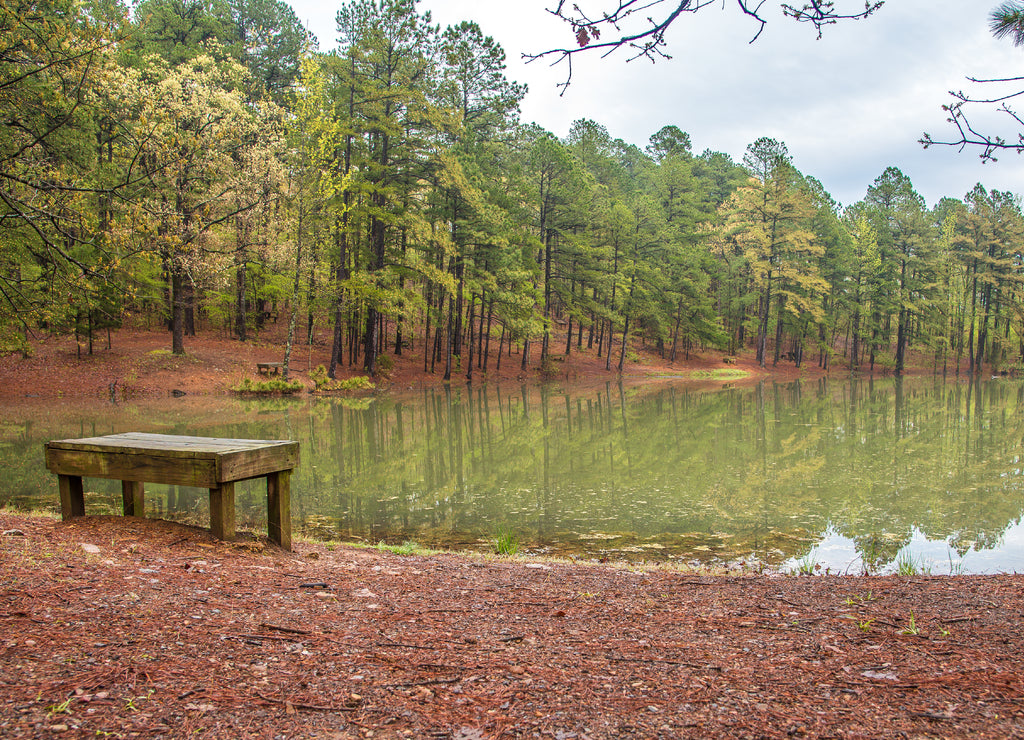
{"type": "Point", "coordinates": [121, 627]}
{"type": "Point", "coordinates": [138, 364]}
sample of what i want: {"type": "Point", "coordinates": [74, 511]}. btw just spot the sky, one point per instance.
{"type": "Point", "coordinates": [846, 106]}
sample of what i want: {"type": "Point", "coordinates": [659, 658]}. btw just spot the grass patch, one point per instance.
{"type": "Point", "coordinates": [908, 565]}
{"type": "Point", "coordinates": [32, 513]}
{"type": "Point", "coordinates": [323, 383]}
{"type": "Point", "coordinates": [724, 373]}
{"type": "Point", "coordinates": [912, 628]}
{"type": "Point", "coordinates": [408, 547]}
{"type": "Point", "coordinates": [274, 386]}
{"type": "Point", "coordinates": [807, 566]}
{"type": "Point", "coordinates": [505, 543]}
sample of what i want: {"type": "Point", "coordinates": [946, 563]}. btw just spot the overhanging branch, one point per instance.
{"type": "Point", "coordinates": [968, 135]}
{"type": "Point", "coordinates": [634, 25]}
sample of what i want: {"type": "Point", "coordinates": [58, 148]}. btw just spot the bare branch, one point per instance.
{"type": "Point", "coordinates": [646, 37]}
{"type": "Point", "coordinates": [821, 13]}
{"type": "Point", "coordinates": [967, 135]}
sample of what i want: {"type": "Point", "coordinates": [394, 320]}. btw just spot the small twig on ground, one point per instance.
{"type": "Point", "coordinates": [427, 682]}
{"type": "Point", "coordinates": [309, 707]}
{"type": "Point", "coordinates": [289, 630]}
{"type": "Point", "coordinates": [668, 662]}
{"type": "Point", "coordinates": [403, 645]}
{"type": "Point", "coordinates": [247, 636]}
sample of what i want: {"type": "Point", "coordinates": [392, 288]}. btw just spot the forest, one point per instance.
{"type": "Point", "coordinates": [199, 164]}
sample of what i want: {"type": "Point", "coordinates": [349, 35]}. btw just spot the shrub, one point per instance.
{"type": "Point", "coordinates": [548, 368]}
{"type": "Point", "coordinates": [385, 364]}
{"type": "Point", "coordinates": [272, 386]}
{"type": "Point", "coordinates": [324, 383]}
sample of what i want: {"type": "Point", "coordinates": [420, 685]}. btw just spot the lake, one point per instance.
{"type": "Point", "coordinates": [845, 476]}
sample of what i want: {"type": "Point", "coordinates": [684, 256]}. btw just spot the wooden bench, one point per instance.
{"type": "Point", "coordinates": [269, 368]}
{"type": "Point", "coordinates": [204, 462]}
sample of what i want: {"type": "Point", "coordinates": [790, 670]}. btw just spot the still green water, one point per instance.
{"type": "Point", "coordinates": [851, 476]}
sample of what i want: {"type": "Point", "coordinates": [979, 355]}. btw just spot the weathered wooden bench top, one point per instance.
{"type": "Point", "coordinates": [204, 462]}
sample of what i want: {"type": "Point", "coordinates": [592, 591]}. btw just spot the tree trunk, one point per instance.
{"type": "Point", "coordinates": [177, 311]}
{"type": "Point", "coordinates": [469, 343]}
{"type": "Point", "coordinates": [762, 326]}
{"type": "Point", "coordinates": [241, 317]}
{"type": "Point", "coordinates": [487, 348]}
{"type": "Point", "coordinates": [779, 326]}
{"type": "Point", "coordinates": [296, 287]}
{"type": "Point", "coordinates": [449, 348]}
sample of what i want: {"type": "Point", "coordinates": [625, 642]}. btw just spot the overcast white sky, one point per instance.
{"type": "Point", "coordinates": [847, 106]}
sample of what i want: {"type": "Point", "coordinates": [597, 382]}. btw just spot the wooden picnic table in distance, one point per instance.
{"type": "Point", "coordinates": [270, 368]}
{"type": "Point", "coordinates": [136, 458]}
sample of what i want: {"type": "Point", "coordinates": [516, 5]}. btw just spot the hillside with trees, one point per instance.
{"type": "Point", "coordinates": [199, 165]}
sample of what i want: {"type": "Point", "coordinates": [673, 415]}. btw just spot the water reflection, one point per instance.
{"type": "Point", "coordinates": [845, 474]}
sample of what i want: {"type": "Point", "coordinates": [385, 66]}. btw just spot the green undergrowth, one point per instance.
{"type": "Point", "coordinates": [505, 543]}
{"type": "Point", "coordinates": [274, 386]}
{"type": "Point", "coordinates": [323, 383]}
{"type": "Point", "coordinates": [724, 373]}
{"type": "Point", "coordinates": [29, 513]}
{"type": "Point", "coordinates": [408, 548]}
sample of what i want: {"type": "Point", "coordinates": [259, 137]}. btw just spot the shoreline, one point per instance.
{"type": "Point", "coordinates": [139, 365]}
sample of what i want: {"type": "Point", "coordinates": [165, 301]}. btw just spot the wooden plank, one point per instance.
{"type": "Point", "coordinates": [169, 445]}
{"type": "Point", "coordinates": [222, 511]}
{"type": "Point", "coordinates": [134, 498]}
{"type": "Point", "coordinates": [258, 462]}
{"type": "Point", "coordinates": [72, 497]}
{"type": "Point", "coordinates": [133, 467]}
{"type": "Point", "coordinates": [279, 508]}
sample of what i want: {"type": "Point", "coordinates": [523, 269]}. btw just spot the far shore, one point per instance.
{"type": "Point", "coordinates": [138, 364]}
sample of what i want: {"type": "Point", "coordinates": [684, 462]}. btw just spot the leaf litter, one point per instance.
{"type": "Point", "coordinates": [165, 632]}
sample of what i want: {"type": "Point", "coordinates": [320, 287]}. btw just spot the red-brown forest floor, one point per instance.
{"type": "Point", "coordinates": [120, 627]}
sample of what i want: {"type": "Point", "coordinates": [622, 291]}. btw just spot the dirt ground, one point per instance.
{"type": "Point", "coordinates": [122, 628]}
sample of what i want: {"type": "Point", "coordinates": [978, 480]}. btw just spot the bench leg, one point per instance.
{"type": "Point", "coordinates": [222, 511]}
{"type": "Point", "coordinates": [133, 496]}
{"type": "Point", "coordinates": [279, 508]}
{"type": "Point", "coordinates": [72, 498]}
